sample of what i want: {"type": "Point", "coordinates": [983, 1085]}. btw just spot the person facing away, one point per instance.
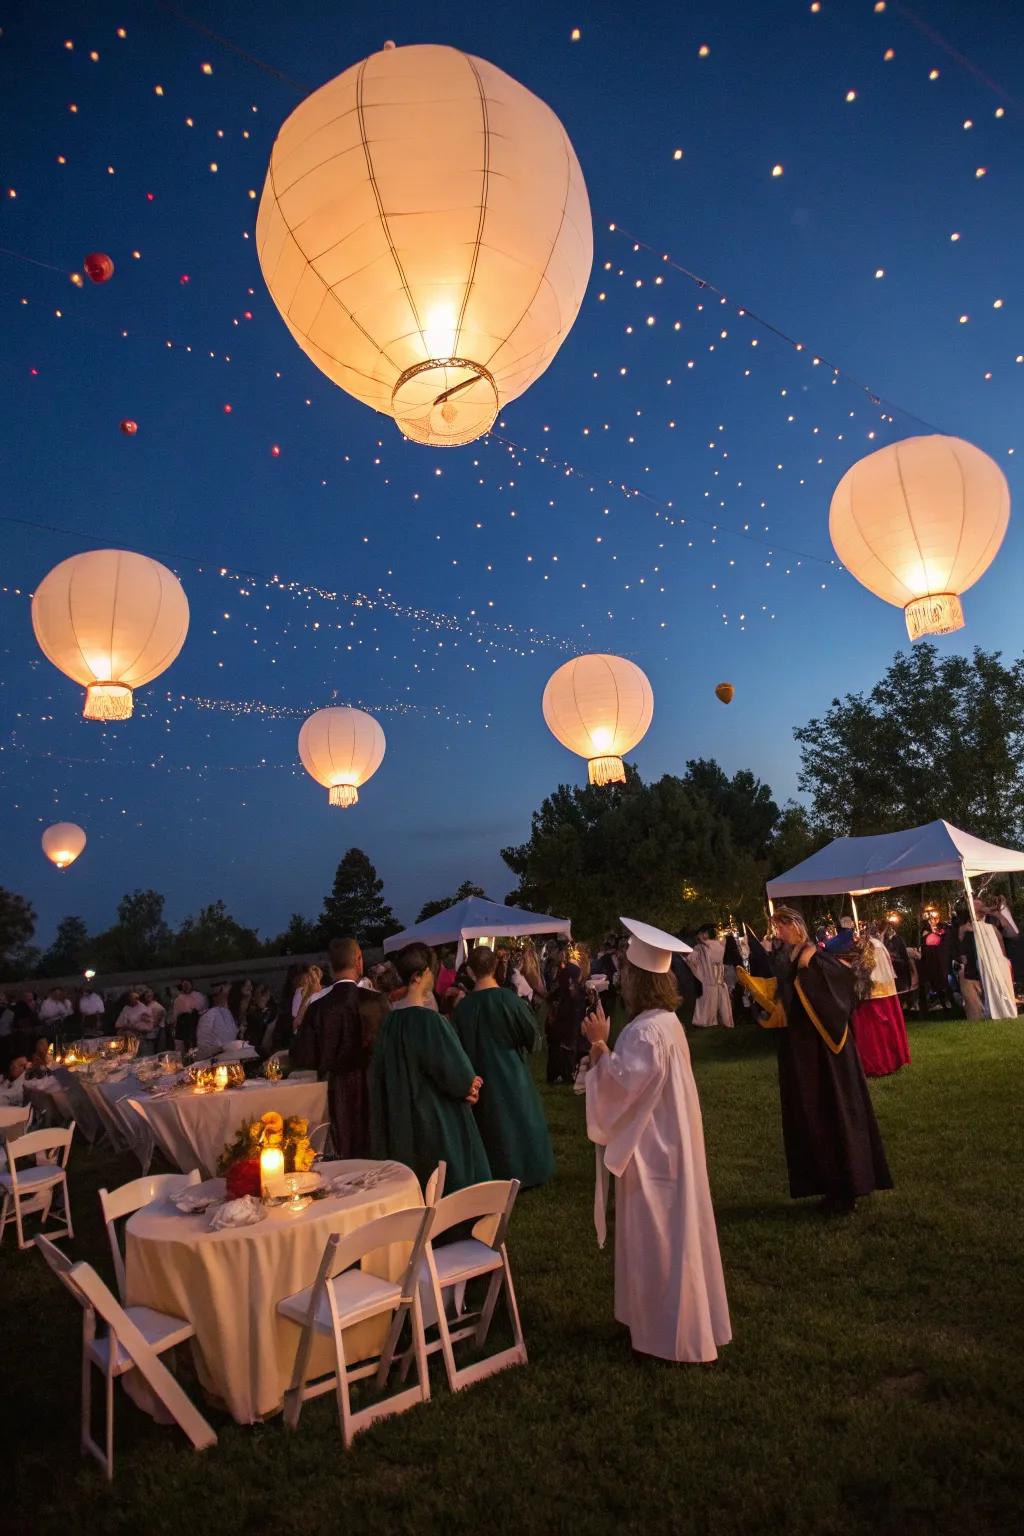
{"type": "Point", "coordinates": [496, 1031]}
{"type": "Point", "coordinates": [217, 1026]}
{"type": "Point", "coordinates": [643, 1113]}
{"type": "Point", "coordinates": [186, 1011]}
{"type": "Point", "coordinates": [332, 1039]}
{"type": "Point", "coordinates": [422, 1085]}
{"type": "Point", "coordinates": [832, 1141]}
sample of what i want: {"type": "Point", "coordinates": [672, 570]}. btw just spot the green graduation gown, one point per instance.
{"type": "Point", "coordinates": [419, 1078]}
{"type": "Point", "coordinates": [496, 1028]}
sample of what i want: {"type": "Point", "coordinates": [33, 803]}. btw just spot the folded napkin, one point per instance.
{"type": "Point", "coordinates": [363, 1178]}
{"type": "Point", "coordinates": [198, 1197]}
{"type": "Point", "coordinates": [237, 1213]}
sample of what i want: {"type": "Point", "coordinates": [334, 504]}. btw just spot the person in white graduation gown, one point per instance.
{"type": "Point", "coordinates": [644, 1115]}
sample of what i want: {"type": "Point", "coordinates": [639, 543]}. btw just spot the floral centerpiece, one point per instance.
{"type": "Point", "coordinates": [240, 1160]}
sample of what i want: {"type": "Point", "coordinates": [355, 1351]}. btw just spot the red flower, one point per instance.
{"type": "Point", "coordinates": [243, 1178]}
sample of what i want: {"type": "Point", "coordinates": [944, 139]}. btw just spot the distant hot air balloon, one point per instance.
{"type": "Point", "coordinates": [918, 522]}
{"type": "Point", "coordinates": [129, 428]}
{"type": "Point", "coordinates": [112, 620]}
{"type": "Point", "coordinates": [99, 267]}
{"type": "Point", "coordinates": [725, 692]}
{"type": "Point", "coordinates": [341, 748]}
{"type": "Point", "coordinates": [599, 706]}
{"type": "Point", "coordinates": [62, 843]}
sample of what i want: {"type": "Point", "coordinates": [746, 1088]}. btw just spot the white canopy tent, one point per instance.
{"type": "Point", "coordinates": [476, 918]}
{"type": "Point", "coordinates": [855, 866]}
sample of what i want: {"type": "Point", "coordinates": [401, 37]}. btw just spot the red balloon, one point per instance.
{"type": "Point", "coordinates": [99, 267]}
{"type": "Point", "coordinates": [129, 428]}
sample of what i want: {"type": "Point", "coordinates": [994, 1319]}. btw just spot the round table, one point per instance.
{"type": "Point", "coordinates": [192, 1129]}
{"type": "Point", "coordinates": [228, 1283]}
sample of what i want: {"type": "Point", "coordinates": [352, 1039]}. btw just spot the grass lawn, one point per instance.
{"type": "Point", "coordinates": [875, 1382]}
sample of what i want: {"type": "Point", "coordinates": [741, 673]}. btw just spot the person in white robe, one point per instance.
{"type": "Point", "coordinates": [707, 962]}
{"type": "Point", "coordinates": [643, 1113]}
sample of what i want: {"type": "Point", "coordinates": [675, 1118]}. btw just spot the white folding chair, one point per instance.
{"type": "Point", "coordinates": [435, 1184]}
{"type": "Point", "coordinates": [321, 1140]}
{"type": "Point", "coordinates": [15, 1120]}
{"type": "Point", "coordinates": [31, 1190]}
{"type": "Point", "coordinates": [342, 1296]}
{"type": "Point", "coordinates": [132, 1341]}
{"type": "Point", "coordinates": [451, 1266]}
{"type": "Point", "coordinates": [132, 1197]}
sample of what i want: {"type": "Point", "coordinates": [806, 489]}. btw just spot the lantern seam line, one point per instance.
{"type": "Point", "coordinates": [328, 293]}
{"type": "Point", "coordinates": [871, 549]}
{"type": "Point", "coordinates": [74, 631]}
{"type": "Point", "coordinates": [910, 520]}
{"type": "Point", "coordinates": [380, 208]}
{"type": "Point", "coordinates": [152, 631]}
{"type": "Point", "coordinates": [963, 515]}
{"type": "Point", "coordinates": [483, 203]}
{"type": "Point", "coordinates": [566, 147]}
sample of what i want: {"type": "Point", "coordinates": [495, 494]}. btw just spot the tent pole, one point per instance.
{"type": "Point", "coordinates": [856, 919]}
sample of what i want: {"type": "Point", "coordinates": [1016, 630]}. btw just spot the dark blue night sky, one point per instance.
{"type": "Point", "coordinates": [496, 562]}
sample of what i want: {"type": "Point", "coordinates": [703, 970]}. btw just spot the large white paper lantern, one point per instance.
{"type": "Point", "coordinates": [600, 707]}
{"type": "Point", "coordinates": [112, 620]}
{"type": "Point", "coordinates": [341, 748]}
{"type": "Point", "coordinates": [62, 843]}
{"type": "Point", "coordinates": [918, 522]}
{"type": "Point", "coordinates": [425, 232]}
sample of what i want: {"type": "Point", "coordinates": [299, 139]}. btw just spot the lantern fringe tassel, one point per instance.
{"type": "Point", "coordinates": [606, 770]}
{"type": "Point", "coordinates": [940, 613]}
{"type": "Point", "coordinates": [108, 701]}
{"type": "Point", "coordinates": [343, 794]}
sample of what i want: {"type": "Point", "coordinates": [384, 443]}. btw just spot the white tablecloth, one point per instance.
{"type": "Point", "coordinates": [228, 1284]}
{"type": "Point", "coordinates": [192, 1129]}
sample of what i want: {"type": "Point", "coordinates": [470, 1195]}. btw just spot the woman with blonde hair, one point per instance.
{"type": "Point", "coordinates": [309, 989]}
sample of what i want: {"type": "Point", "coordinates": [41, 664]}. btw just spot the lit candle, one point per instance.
{"type": "Point", "coordinates": [271, 1167]}
{"type": "Point", "coordinates": [220, 1077]}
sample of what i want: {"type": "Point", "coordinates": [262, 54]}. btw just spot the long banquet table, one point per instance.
{"type": "Point", "coordinates": [227, 1284]}
{"type": "Point", "coordinates": [192, 1129]}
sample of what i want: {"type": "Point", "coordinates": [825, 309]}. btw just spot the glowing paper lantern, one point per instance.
{"type": "Point", "coordinates": [918, 522]}
{"type": "Point", "coordinates": [129, 428]}
{"type": "Point", "coordinates": [98, 267]}
{"type": "Point", "coordinates": [111, 620]}
{"type": "Point", "coordinates": [600, 707]}
{"type": "Point", "coordinates": [425, 232]}
{"type": "Point", "coordinates": [726, 692]}
{"type": "Point", "coordinates": [62, 843]}
{"type": "Point", "coordinates": [341, 748]}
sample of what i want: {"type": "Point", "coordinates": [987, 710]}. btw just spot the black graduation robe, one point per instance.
{"type": "Point", "coordinates": [833, 1144]}
{"type": "Point", "coordinates": [330, 1040]}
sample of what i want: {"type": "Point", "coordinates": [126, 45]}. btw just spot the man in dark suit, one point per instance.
{"type": "Point", "coordinates": [331, 1040]}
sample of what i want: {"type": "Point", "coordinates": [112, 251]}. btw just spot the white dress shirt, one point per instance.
{"type": "Point", "coordinates": [217, 1028]}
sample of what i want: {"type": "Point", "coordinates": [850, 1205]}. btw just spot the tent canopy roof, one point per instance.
{"type": "Point", "coordinates": [476, 918]}
{"type": "Point", "coordinates": [936, 851]}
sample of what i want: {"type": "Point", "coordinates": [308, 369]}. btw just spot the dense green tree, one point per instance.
{"type": "Point", "coordinates": [356, 908]}
{"type": "Point", "coordinates": [213, 935]}
{"type": "Point", "coordinates": [933, 738]}
{"type": "Point", "coordinates": [794, 839]}
{"type": "Point", "coordinates": [139, 938]}
{"type": "Point", "coordinates": [17, 925]}
{"type": "Point", "coordinates": [69, 951]}
{"type": "Point", "coordinates": [661, 851]}
{"type": "Point", "coordinates": [465, 890]}
{"type": "Point", "coordinates": [302, 936]}
{"type": "Point", "coordinates": [743, 800]}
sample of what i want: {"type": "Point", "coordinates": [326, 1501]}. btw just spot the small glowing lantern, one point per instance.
{"type": "Point", "coordinates": [600, 707]}
{"type": "Point", "coordinates": [725, 693]}
{"type": "Point", "coordinates": [62, 843]}
{"type": "Point", "coordinates": [111, 620]}
{"type": "Point", "coordinates": [425, 233]}
{"type": "Point", "coordinates": [918, 522]}
{"type": "Point", "coordinates": [341, 748]}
